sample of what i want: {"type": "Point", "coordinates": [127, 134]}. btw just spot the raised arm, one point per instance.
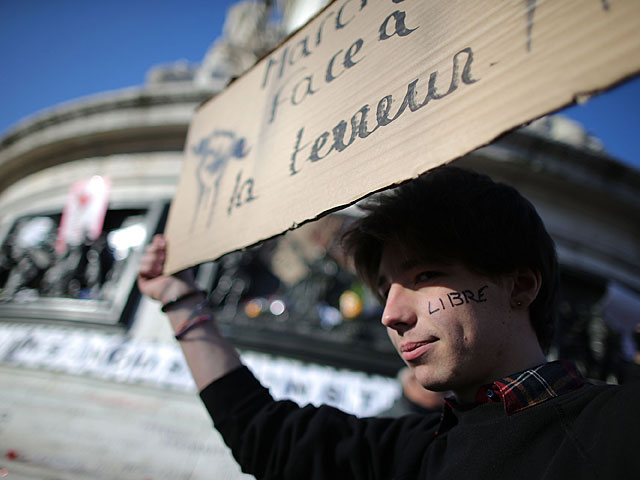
{"type": "Point", "coordinates": [208, 354]}
{"type": "Point", "coordinates": [275, 439]}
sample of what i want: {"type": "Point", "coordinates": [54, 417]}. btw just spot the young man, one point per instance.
{"type": "Point", "coordinates": [468, 277]}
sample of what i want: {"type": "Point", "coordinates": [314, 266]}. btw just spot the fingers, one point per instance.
{"type": "Point", "coordinates": [152, 262]}
{"type": "Point", "coordinates": [158, 242]}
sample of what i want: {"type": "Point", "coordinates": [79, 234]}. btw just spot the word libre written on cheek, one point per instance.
{"type": "Point", "coordinates": [456, 299]}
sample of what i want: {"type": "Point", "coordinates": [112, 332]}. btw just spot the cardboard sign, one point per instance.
{"type": "Point", "coordinates": [372, 93]}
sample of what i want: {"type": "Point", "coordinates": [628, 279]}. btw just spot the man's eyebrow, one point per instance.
{"type": "Point", "coordinates": [404, 265]}
{"type": "Point", "coordinates": [424, 262]}
{"type": "Point", "coordinates": [410, 263]}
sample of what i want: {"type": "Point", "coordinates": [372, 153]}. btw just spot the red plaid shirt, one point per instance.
{"type": "Point", "coordinates": [522, 390]}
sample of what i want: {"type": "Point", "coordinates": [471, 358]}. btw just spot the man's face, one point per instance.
{"type": "Point", "coordinates": [450, 325]}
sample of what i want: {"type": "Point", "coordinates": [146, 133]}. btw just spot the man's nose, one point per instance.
{"type": "Point", "coordinates": [399, 312]}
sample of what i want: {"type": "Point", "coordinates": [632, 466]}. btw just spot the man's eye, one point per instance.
{"type": "Point", "coordinates": [426, 276]}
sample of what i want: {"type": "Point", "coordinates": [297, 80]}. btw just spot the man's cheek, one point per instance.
{"type": "Point", "coordinates": [456, 299]}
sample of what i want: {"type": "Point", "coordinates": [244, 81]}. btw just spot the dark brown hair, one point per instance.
{"type": "Point", "coordinates": [451, 214]}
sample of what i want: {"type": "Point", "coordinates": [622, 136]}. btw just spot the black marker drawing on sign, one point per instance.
{"type": "Point", "coordinates": [322, 147]}
{"type": "Point", "coordinates": [290, 54]}
{"type": "Point", "coordinates": [215, 151]}
{"type": "Point", "coordinates": [400, 28]}
{"type": "Point", "coordinates": [301, 84]}
{"type": "Point", "coordinates": [242, 192]}
{"type": "Point", "coordinates": [339, 22]}
{"type": "Point", "coordinates": [279, 98]}
{"type": "Point", "coordinates": [531, 9]}
{"type": "Point", "coordinates": [298, 86]}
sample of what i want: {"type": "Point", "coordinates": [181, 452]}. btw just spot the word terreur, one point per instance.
{"type": "Point", "coordinates": [383, 117]}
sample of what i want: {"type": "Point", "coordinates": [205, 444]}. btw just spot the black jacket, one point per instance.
{"type": "Point", "coordinates": [591, 433]}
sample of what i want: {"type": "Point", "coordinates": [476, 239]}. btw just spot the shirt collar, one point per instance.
{"type": "Point", "coordinates": [522, 390]}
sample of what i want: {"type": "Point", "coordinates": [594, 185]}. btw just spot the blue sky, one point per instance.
{"type": "Point", "coordinates": [57, 50]}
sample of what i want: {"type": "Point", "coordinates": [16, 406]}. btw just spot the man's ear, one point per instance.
{"type": "Point", "coordinates": [526, 285]}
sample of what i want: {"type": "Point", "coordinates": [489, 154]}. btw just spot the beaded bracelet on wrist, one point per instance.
{"type": "Point", "coordinates": [196, 317]}
{"type": "Point", "coordinates": [172, 303]}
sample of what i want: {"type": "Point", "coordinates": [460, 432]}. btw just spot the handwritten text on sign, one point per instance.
{"type": "Point", "coordinates": [371, 93]}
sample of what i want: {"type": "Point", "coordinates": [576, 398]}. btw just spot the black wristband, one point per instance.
{"type": "Point", "coordinates": [181, 298]}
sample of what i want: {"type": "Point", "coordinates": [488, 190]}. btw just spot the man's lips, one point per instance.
{"type": "Point", "coordinates": [412, 350]}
